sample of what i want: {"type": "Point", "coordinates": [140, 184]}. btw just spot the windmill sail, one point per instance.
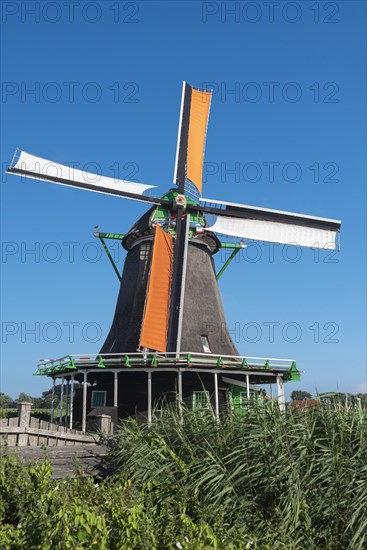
{"type": "Point", "coordinates": [194, 116]}
{"type": "Point", "coordinates": [264, 224]}
{"type": "Point", "coordinates": [155, 322]}
{"type": "Point", "coordinates": [31, 166]}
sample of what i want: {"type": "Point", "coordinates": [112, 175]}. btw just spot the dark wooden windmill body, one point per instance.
{"type": "Point", "coordinates": [169, 332]}
{"type": "Point", "coordinates": [204, 327]}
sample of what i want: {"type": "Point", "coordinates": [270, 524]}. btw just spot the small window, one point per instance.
{"type": "Point", "coordinates": [205, 343]}
{"type": "Point", "coordinates": [200, 400]}
{"type": "Point", "coordinates": [98, 399]}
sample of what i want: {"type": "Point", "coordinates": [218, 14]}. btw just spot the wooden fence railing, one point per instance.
{"type": "Point", "coordinates": [25, 430]}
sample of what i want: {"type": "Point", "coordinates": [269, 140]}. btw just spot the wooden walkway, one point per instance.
{"type": "Point", "coordinates": [87, 460]}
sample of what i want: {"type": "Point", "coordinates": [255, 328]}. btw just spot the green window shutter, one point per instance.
{"type": "Point", "coordinates": [200, 400]}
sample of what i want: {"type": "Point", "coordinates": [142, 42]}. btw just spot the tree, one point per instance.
{"type": "Point", "coordinates": [38, 403]}
{"type": "Point", "coordinates": [363, 399]}
{"type": "Point", "coordinates": [46, 399]}
{"type": "Point", "coordinates": [24, 397]}
{"type": "Point", "coordinates": [6, 402]}
{"type": "Point", "coordinates": [300, 395]}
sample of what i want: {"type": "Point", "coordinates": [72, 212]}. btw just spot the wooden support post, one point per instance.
{"type": "Point", "coordinates": [61, 400]}
{"type": "Point", "coordinates": [248, 387]}
{"type": "Point", "coordinates": [24, 415]}
{"type": "Point", "coordinates": [149, 397]}
{"type": "Point", "coordinates": [67, 401]}
{"type": "Point", "coordinates": [71, 402]}
{"type": "Point", "coordinates": [179, 384]}
{"type": "Point", "coordinates": [53, 401]}
{"type": "Point", "coordinates": [179, 390]}
{"type": "Point", "coordinates": [216, 396]}
{"type": "Point", "coordinates": [281, 396]}
{"type": "Point", "coordinates": [84, 416]}
{"type": "Point", "coordinates": [115, 388]}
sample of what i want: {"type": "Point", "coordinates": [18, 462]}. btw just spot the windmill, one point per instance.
{"type": "Point", "coordinates": [169, 313]}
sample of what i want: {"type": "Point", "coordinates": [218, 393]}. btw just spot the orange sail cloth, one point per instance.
{"type": "Point", "coordinates": [155, 323]}
{"type": "Point", "coordinates": [199, 114]}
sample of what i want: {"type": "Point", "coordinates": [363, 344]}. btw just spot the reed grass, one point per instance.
{"type": "Point", "coordinates": [295, 480]}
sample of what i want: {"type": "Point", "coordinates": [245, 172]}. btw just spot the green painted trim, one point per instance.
{"type": "Point", "coordinates": [110, 257]}
{"type": "Point", "coordinates": [68, 364]}
{"type": "Point", "coordinates": [293, 375]}
{"type": "Point", "coordinates": [231, 245]}
{"type": "Point", "coordinates": [163, 212]}
{"type": "Point", "coordinates": [234, 253]}
{"type": "Point", "coordinates": [114, 236]}
{"type": "Point", "coordinates": [71, 364]}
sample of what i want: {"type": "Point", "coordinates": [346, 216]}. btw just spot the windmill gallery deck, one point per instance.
{"type": "Point", "coordinates": [169, 340]}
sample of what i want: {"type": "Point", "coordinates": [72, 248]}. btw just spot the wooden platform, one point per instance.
{"type": "Point", "coordinates": [88, 460]}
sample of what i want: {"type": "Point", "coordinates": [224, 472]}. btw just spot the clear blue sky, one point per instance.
{"type": "Point", "coordinates": [107, 78]}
